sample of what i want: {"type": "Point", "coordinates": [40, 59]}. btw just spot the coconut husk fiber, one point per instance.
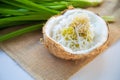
{"type": "Point", "coordinates": [35, 59]}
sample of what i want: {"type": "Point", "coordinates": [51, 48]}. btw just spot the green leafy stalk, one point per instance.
{"type": "Point", "coordinates": [56, 5]}
{"type": "Point", "coordinates": [20, 32]}
{"type": "Point", "coordinates": [23, 18]}
{"type": "Point", "coordinates": [16, 23]}
{"type": "Point", "coordinates": [84, 3]}
{"type": "Point", "coordinates": [18, 5]}
{"type": "Point", "coordinates": [34, 5]}
{"type": "Point", "coordinates": [7, 11]}
{"type": "Point", "coordinates": [29, 6]}
{"type": "Point", "coordinates": [109, 18]}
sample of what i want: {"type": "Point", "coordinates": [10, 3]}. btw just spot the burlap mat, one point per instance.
{"type": "Point", "coordinates": [34, 58]}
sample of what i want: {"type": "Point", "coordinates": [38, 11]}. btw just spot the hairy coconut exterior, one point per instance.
{"type": "Point", "coordinates": [57, 50]}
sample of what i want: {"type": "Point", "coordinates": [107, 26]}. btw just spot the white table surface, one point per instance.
{"type": "Point", "coordinates": [10, 70]}
{"type": "Point", "coordinates": [105, 67]}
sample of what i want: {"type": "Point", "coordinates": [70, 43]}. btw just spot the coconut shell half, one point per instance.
{"type": "Point", "coordinates": [56, 49]}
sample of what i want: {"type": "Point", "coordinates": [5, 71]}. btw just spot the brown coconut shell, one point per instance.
{"type": "Point", "coordinates": [58, 51]}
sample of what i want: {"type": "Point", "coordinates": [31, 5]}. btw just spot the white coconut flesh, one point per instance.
{"type": "Point", "coordinates": [77, 31]}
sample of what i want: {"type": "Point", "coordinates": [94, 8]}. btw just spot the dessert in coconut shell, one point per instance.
{"type": "Point", "coordinates": [76, 34]}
